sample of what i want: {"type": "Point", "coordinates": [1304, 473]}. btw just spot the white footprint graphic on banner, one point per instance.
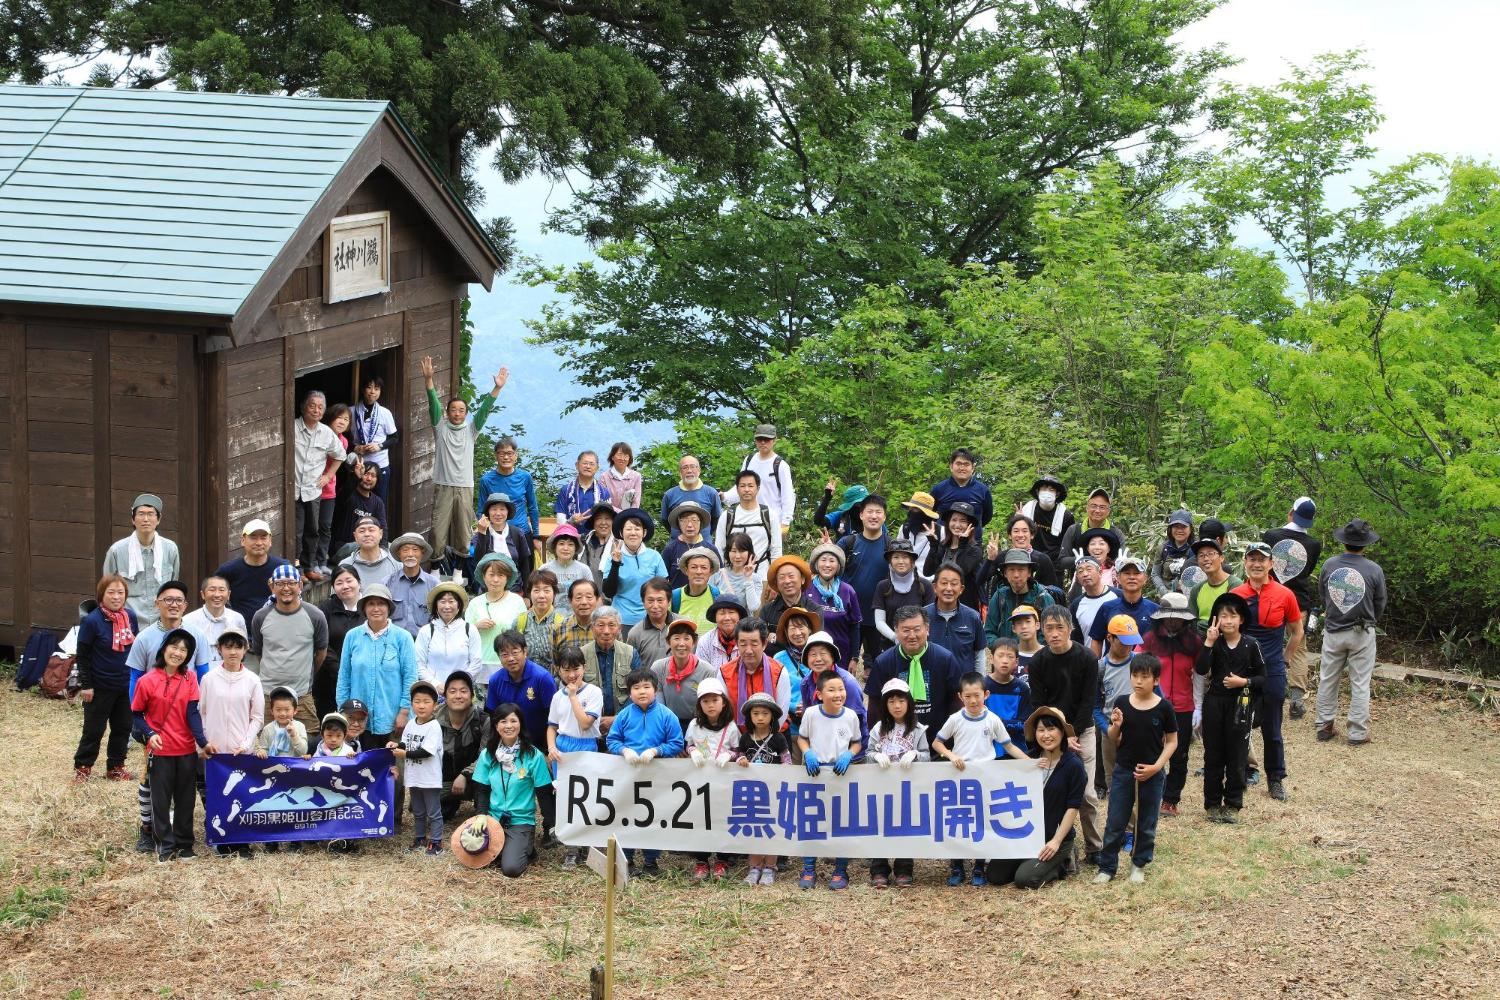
{"type": "Point", "coordinates": [380, 816]}
{"type": "Point", "coordinates": [364, 796]}
{"type": "Point", "coordinates": [234, 810]}
{"type": "Point", "coordinates": [218, 828]}
{"type": "Point", "coordinates": [367, 774]}
{"type": "Point", "coordinates": [235, 777]}
{"type": "Point", "coordinates": [261, 788]}
{"type": "Point", "coordinates": [276, 769]}
{"type": "Point", "coordinates": [323, 765]}
{"type": "Point", "coordinates": [337, 783]}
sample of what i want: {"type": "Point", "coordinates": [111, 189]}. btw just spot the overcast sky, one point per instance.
{"type": "Point", "coordinates": [1431, 67]}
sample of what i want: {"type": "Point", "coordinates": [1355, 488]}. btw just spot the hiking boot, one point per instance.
{"type": "Point", "coordinates": [1278, 791]}
{"type": "Point", "coordinates": [903, 881]}
{"type": "Point", "coordinates": [81, 774]}
{"type": "Point", "coordinates": [119, 774]}
{"type": "Point", "coordinates": [1253, 778]}
{"type": "Point", "coordinates": [977, 880]}
{"type": "Point", "coordinates": [1359, 742]}
{"type": "Point", "coordinates": [1325, 732]}
{"type": "Point", "coordinates": [145, 843]}
{"type": "Point", "coordinates": [570, 860]}
{"type": "Point", "coordinates": [1215, 814]}
{"type": "Point", "coordinates": [879, 881]}
{"type": "Point", "coordinates": [1137, 874]}
{"type": "Point", "coordinates": [956, 875]}
{"type": "Point", "coordinates": [434, 848]}
{"type": "Point", "coordinates": [1296, 710]}
{"type": "Point", "coordinates": [700, 871]}
{"type": "Point", "coordinates": [185, 853]}
{"type": "Point", "coordinates": [1169, 809]}
{"type": "Point", "coordinates": [1229, 815]}
{"type": "Point", "coordinates": [417, 846]}
{"type": "Point", "coordinates": [721, 870]}
{"type": "Point", "coordinates": [163, 856]}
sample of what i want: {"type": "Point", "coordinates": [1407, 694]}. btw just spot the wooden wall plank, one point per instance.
{"type": "Point", "coordinates": [47, 537]}
{"type": "Point", "coordinates": [105, 435]}
{"type": "Point", "coordinates": [75, 504]}
{"type": "Point", "coordinates": [48, 436]}
{"type": "Point", "coordinates": [214, 513]}
{"type": "Point", "coordinates": [344, 343]}
{"type": "Point", "coordinates": [259, 375]}
{"type": "Point", "coordinates": [61, 469]}
{"type": "Point", "coordinates": [144, 442]}
{"type": "Point", "coordinates": [189, 461]}
{"type": "Point", "coordinates": [43, 361]}
{"type": "Point", "coordinates": [144, 413]}
{"type": "Point", "coordinates": [128, 379]}
{"type": "Point", "coordinates": [15, 569]}
{"type": "Point", "coordinates": [245, 470]}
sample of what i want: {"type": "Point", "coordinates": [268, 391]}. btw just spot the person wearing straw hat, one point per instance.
{"type": "Point", "coordinates": [379, 666]}
{"type": "Point", "coordinates": [495, 532]}
{"type": "Point", "coordinates": [964, 485]}
{"type": "Point", "coordinates": [687, 520]}
{"type": "Point", "coordinates": [1352, 588]}
{"type": "Point", "coordinates": [410, 586]}
{"type": "Point", "coordinates": [921, 512]}
{"type": "Point", "coordinates": [627, 563]}
{"type": "Point", "coordinates": [786, 586]}
{"type": "Point", "coordinates": [1063, 784]}
{"type": "Point", "coordinates": [144, 558]}
{"type": "Point", "coordinates": [448, 642]}
{"type": "Point", "coordinates": [1048, 512]}
{"type": "Point", "coordinates": [1174, 642]}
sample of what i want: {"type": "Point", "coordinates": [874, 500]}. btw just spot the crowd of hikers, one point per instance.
{"type": "Point", "coordinates": [958, 633]}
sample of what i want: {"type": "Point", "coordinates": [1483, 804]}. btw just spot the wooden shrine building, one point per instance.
{"type": "Point", "coordinates": [176, 270]}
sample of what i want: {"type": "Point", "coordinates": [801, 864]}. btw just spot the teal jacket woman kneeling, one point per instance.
{"type": "Point", "coordinates": [506, 778]}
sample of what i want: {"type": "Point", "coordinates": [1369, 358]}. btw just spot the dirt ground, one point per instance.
{"type": "Point", "coordinates": [1379, 878]}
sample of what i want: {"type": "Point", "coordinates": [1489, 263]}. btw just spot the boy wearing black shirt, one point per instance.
{"type": "Point", "coordinates": [1143, 726]}
{"type": "Point", "coordinates": [1231, 662]}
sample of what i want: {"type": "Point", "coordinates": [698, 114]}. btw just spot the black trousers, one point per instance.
{"type": "Point", "coordinates": [108, 708]}
{"type": "Point", "coordinates": [872, 644]}
{"type": "Point", "coordinates": [174, 785]}
{"type": "Point", "coordinates": [883, 866]}
{"type": "Point", "coordinates": [1223, 755]}
{"type": "Point", "coordinates": [1177, 767]}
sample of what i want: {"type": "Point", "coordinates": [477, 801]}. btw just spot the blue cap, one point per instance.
{"type": "Point", "coordinates": [1303, 512]}
{"type": "Point", "coordinates": [286, 571]}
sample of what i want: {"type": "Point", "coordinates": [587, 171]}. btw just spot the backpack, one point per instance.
{"type": "Point", "coordinates": [55, 679]}
{"type": "Point", "coordinates": [41, 644]}
{"type": "Point", "coordinates": [775, 466]}
{"type": "Point", "coordinates": [765, 522]}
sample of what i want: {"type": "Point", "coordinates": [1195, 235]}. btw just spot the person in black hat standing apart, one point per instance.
{"type": "Point", "coordinates": [1353, 591]}
{"type": "Point", "coordinates": [1047, 511]}
{"type": "Point", "coordinates": [1294, 557]}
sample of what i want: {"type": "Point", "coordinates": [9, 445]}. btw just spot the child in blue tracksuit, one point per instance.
{"type": "Point", "coordinates": [644, 730]}
{"type": "Point", "coordinates": [1005, 694]}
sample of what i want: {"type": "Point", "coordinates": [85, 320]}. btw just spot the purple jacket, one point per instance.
{"type": "Point", "coordinates": [841, 626]}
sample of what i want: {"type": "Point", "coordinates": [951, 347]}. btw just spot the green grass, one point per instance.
{"type": "Point", "coordinates": [26, 908]}
{"type": "Point", "coordinates": [1455, 929]}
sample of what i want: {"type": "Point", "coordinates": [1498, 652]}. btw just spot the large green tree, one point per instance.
{"type": "Point", "coordinates": [554, 85]}
{"type": "Point", "coordinates": [904, 147]}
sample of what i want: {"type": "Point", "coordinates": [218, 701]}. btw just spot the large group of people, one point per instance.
{"type": "Point", "coordinates": [693, 629]}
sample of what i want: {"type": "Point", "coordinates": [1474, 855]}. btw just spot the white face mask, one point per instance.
{"type": "Point", "coordinates": [1046, 497]}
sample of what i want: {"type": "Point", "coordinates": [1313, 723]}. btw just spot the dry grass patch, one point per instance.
{"type": "Point", "coordinates": [1377, 878]}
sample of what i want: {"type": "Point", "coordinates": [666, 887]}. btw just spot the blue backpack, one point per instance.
{"type": "Point", "coordinates": [40, 645]}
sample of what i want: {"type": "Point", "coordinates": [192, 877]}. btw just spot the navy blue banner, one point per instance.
{"type": "Point", "coordinates": [253, 799]}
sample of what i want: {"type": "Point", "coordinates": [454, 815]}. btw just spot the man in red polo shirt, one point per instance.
{"type": "Point", "coordinates": [1275, 625]}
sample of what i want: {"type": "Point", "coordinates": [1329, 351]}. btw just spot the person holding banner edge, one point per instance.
{"type": "Point", "coordinates": [1062, 796]}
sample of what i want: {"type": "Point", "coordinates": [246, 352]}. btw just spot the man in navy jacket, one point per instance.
{"type": "Point", "coordinates": [931, 670]}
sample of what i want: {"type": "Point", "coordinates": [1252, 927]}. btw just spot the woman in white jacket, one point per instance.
{"type": "Point", "coordinates": [448, 642]}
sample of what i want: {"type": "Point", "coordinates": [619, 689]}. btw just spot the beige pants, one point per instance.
{"type": "Point", "coordinates": [452, 513]}
{"type": "Point", "coordinates": [1090, 817]}
{"type": "Point", "coordinates": [1296, 664]}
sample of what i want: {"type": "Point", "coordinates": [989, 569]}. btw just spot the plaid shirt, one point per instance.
{"type": "Point", "coordinates": [569, 631]}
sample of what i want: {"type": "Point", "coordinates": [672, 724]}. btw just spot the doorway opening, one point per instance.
{"type": "Point", "coordinates": [343, 383]}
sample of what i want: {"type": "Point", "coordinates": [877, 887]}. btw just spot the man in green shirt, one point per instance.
{"type": "Point", "coordinates": [1210, 555]}
{"type": "Point", "coordinates": [454, 434]}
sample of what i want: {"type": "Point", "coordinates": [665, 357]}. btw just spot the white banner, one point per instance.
{"type": "Point", "coordinates": [933, 810]}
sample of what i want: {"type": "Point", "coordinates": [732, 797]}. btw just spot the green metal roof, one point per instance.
{"type": "Point", "coordinates": [160, 200]}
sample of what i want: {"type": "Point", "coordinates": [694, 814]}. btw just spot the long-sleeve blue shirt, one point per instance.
{"type": "Point", "coordinates": [654, 728]}
{"type": "Point", "coordinates": [379, 671]}
{"type": "Point", "coordinates": [521, 489]}
{"type": "Point", "coordinates": [99, 665]}
{"type": "Point", "coordinates": [704, 494]}
{"type": "Point", "coordinates": [947, 493]}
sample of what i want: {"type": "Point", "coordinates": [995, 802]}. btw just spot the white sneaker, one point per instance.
{"type": "Point", "coordinates": [768, 876]}
{"type": "Point", "coordinates": [753, 878]}
{"type": "Point", "coordinates": [1102, 878]}
{"type": "Point", "coordinates": [1137, 874]}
